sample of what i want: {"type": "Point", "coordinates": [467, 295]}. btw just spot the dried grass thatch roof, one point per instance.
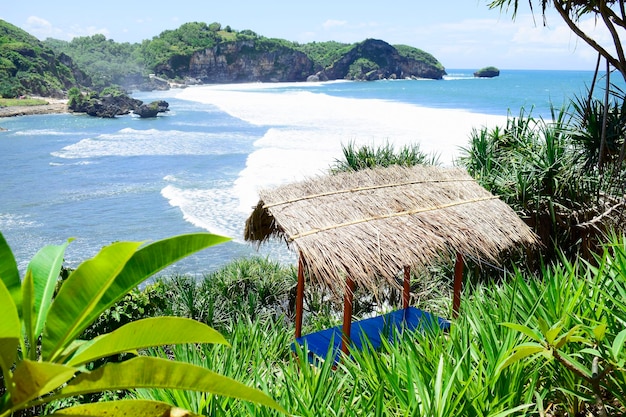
{"type": "Point", "coordinates": [371, 223]}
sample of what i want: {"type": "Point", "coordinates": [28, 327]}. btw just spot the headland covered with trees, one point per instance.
{"type": "Point", "coordinates": [543, 334]}
{"type": "Point", "coordinates": [194, 53]}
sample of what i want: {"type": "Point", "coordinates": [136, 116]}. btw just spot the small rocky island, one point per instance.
{"type": "Point", "coordinates": [487, 72]}
{"type": "Point", "coordinates": [112, 102]}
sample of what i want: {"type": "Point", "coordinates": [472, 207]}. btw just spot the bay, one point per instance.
{"type": "Point", "coordinates": [199, 166]}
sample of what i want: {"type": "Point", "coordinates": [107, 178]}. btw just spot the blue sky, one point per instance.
{"type": "Point", "coordinates": [460, 33]}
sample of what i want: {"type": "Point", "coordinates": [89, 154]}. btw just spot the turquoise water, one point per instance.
{"type": "Point", "coordinates": [198, 167]}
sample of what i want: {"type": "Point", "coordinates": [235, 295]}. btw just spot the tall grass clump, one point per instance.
{"type": "Point", "coordinates": [245, 289]}
{"type": "Point", "coordinates": [361, 157]}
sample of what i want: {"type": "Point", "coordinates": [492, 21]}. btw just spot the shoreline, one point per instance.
{"type": "Point", "coordinates": [54, 106]}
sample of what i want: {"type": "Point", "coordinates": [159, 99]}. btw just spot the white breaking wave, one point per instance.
{"type": "Point", "coordinates": [208, 209]}
{"type": "Point", "coordinates": [8, 221]}
{"type": "Point", "coordinates": [306, 130]}
{"type": "Point", "coordinates": [39, 132]}
{"type": "Point", "coordinates": [133, 142]}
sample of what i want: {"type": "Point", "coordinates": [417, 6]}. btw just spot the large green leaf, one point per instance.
{"type": "Point", "coordinates": [45, 267]}
{"type": "Point", "coordinates": [149, 260]}
{"type": "Point", "coordinates": [156, 331]}
{"type": "Point", "coordinates": [534, 335]}
{"type": "Point", "coordinates": [125, 408]}
{"type": "Point", "coordinates": [35, 379]}
{"type": "Point", "coordinates": [10, 331]}
{"type": "Point", "coordinates": [520, 352]}
{"type": "Point", "coordinates": [149, 372]}
{"type": "Point", "coordinates": [71, 310]}
{"type": "Point", "coordinates": [9, 274]}
{"type": "Point", "coordinates": [618, 344]}
{"type": "Point", "coordinates": [28, 313]}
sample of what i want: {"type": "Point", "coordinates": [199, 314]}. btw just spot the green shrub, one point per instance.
{"type": "Point", "coordinates": [357, 158]}
{"type": "Point", "coordinates": [537, 167]}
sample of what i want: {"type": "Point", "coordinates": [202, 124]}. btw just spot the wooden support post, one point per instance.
{"type": "Point", "coordinates": [347, 315]}
{"type": "Point", "coordinates": [458, 285]}
{"type": "Point", "coordinates": [406, 288]}
{"type": "Point", "coordinates": [300, 297]}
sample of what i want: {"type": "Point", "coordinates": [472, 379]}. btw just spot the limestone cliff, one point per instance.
{"type": "Point", "coordinates": [244, 61]}
{"type": "Point", "coordinates": [267, 61]}
{"type": "Point", "coordinates": [374, 59]}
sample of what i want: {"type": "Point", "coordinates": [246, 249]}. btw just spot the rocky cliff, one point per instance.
{"type": "Point", "coordinates": [243, 61]}
{"type": "Point", "coordinates": [374, 59]}
{"type": "Point", "coordinates": [28, 67]}
{"type": "Point", "coordinates": [254, 61]}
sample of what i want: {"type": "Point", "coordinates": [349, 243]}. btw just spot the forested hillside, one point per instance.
{"type": "Point", "coordinates": [194, 53]}
{"type": "Point", "coordinates": [27, 66]}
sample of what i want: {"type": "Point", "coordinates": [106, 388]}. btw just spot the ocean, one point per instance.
{"type": "Point", "coordinates": [199, 166]}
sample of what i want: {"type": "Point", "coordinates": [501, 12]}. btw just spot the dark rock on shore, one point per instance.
{"type": "Point", "coordinates": [109, 106]}
{"type": "Point", "coordinates": [154, 84]}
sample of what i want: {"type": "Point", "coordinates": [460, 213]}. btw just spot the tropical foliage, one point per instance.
{"type": "Point", "coordinates": [609, 14]}
{"type": "Point", "coordinates": [528, 346]}
{"type": "Point", "coordinates": [29, 67]}
{"type": "Point", "coordinates": [418, 54]}
{"type": "Point", "coordinates": [324, 54]}
{"type": "Point", "coordinates": [42, 357]}
{"type": "Point", "coordinates": [548, 172]}
{"type": "Point", "coordinates": [365, 156]}
{"type": "Point", "coordinates": [107, 62]}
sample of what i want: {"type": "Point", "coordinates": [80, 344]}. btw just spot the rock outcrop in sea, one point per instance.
{"type": "Point", "coordinates": [109, 106]}
{"type": "Point", "coordinates": [487, 72]}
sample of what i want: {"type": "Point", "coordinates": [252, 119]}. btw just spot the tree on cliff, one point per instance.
{"type": "Point", "coordinates": [610, 13]}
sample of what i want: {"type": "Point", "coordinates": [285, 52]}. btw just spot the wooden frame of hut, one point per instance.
{"type": "Point", "coordinates": [363, 227]}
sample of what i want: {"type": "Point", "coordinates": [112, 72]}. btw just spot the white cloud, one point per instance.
{"type": "Point", "coordinates": [42, 29]}
{"type": "Point", "coordinates": [77, 30]}
{"type": "Point", "coordinates": [330, 23]}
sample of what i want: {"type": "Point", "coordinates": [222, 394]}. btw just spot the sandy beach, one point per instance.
{"type": "Point", "coordinates": [53, 106]}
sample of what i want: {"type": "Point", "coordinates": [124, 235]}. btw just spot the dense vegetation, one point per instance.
{"type": "Point", "coordinates": [50, 68]}
{"type": "Point", "coordinates": [549, 172]}
{"type": "Point", "coordinates": [169, 53]}
{"type": "Point", "coordinates": [43, 357]}
{"type": "Point", "coordinates": [107, 62]}
{"type": "Point", "coordinates": [27, 66]}
{"type": "Point", "coordinates": [324, 54]}
{"type": "Point", "coordinates": [418, 55]}
{"type": "Point", "coordinates": [528, 346]}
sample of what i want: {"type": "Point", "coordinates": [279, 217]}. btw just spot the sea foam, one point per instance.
{"type": "Point", "coordinates": [134, 142]}
{"type": "Point", "coordinates": [306, 129]}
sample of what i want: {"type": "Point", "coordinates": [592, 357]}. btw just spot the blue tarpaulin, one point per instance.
{"type": "Point", "coordinates": [374, 329]}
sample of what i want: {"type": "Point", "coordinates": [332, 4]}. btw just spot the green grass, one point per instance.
{"type": "Point", "coordinates": [9, 102]}
{"type": "Point", "coordinates": [436, 374]}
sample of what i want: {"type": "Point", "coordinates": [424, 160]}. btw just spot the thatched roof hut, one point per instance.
{"type": "Point", "coordinates": [370, 224]}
